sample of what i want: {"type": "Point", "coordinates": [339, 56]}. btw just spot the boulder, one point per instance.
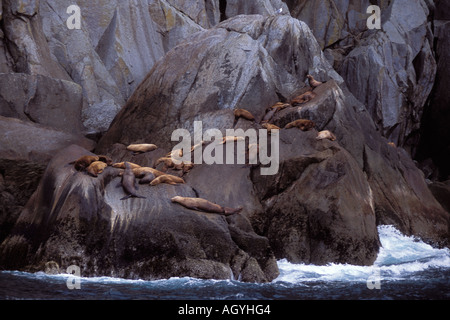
{"type": "Point", "coordinates": [76, 219]}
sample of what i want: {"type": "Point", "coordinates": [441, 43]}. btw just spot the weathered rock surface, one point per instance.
{"type": "Point", "coordinates": [247, 62]}
{"type": "Point", "coordinates": [392, 70]}
{"type": "Point", "coordinates": [435, 143]}
{"type": "Point", "coordinates": [25, 151]}
{"type": "Point", "coordinates": [74, 218]}
{"type": "Point", "coordinates": [40, 99]}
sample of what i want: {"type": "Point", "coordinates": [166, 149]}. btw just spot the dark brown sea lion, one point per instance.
{"type": "Point", "coordinates": [167, 178]}
{"type": "Point", "coordinates": [306, 97]}
{"type": "Point", "coordinates": [105, 159]}
{"type": "Point", "coordinates": [199, 204]}
{"type": "Point", "coordinates": [84, 162]}
{"type": "Point", "coordinates": [96, 168]}
{"type": "Point", "coordinates": [313, 82]}
{"type": "Point", "coordinates": [129, 183]}
{"type": "Point", "coordinates": [269, 127]}
{"type": "Point", "coordinates": [302, 124]}
{"type": "Point", "coordinates": [242, 113]}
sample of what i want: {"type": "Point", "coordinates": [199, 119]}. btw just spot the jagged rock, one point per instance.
{"type": "Point", "coordinates": [47, 101]}
{"type": "Point", "coordinates": [247, 62]}
{"type": "Point", "coordinates": [25, 150]}
{"type": "Point", "coordinates": [392, 70]}
{"type": "Point", "coordinates": [74, 218]}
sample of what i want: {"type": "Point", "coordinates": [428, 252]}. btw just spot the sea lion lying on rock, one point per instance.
{"type": "Point", "coordinates": [84, 162]}
{"type": "Point", "coordinates": [199, 204]}
{"type": "Point", "coordinates": [242, 113]}
{"type": "Point", "coordinates": [302, 124]}
{"type": "Point", "coordinates": [326, 134]}
{"type": "Point", "coordinates": [129, 183]}
{"type": "Point", "coordinates": [167, 178]}
{"type": "Point", "coordinates": [306, 97]}
{"type": "Point", "coordinates": [141, 148]}
{"type": "Point", "coordinates": [121, 165]}
{"type": "Point", "coordinates": [96, 168]}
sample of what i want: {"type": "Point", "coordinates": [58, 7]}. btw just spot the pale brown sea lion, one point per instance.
{"type": "Point", "coordinates": [169, 163]}
{"type": "Point", "coordinates": [84, 162]}
{"type": "Point", "coordinates": [392, 144]}
{"type": "Point", "coordinates": [142, 171]}
{"type": "Point", "coordinates": [269, 127]}
{"type": "Point", "coordinates": [129, 183]}
{"type": "Point", "coordinates": [302, 124]}
{"type": "Point", "coordinates": [271, 111]}
{"type": "Point", "coordinates": [167, 178]}
{"type": "Point", "coordinates": [306, 97]}
{"type": "Point", "coordinates": [231, 139]}
{"type": "Point", "coordinates": [242, 113]}
{"type": "Point", "coordinates": [141, 148]}
{"type": "Point", "coordinates": [312, 82]}
{"type": "Point", "coordinates": [96, 168]}
{"type": "Point", "coordinates": [326, 134]}
{"type": "Point", "coordinates": [121, 165]}
{"type": "Point", "coordinates": [199, 204]}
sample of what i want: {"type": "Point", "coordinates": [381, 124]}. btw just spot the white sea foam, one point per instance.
{"type": "Point", "coordinates": [400, 257]}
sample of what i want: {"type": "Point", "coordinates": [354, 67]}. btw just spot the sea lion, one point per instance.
{"type": "Point", "coordinates": [199, 204]}
{"type": "Point", "coordinates": [148, 178]}
{"type": "Point", "coordinates": [129, 183]}
{"type": "Point", "coordinates": [121, 165]}
{"type": "Point", "coordinates": [302, 124]}
{"type": "Point", "coordinates": [169, 163]}
{"type": "Point", "coordinates": [105, 159]}
{"type": "Point", "coordinates": [242, 113]}
{"type": "Point", "coordinates": [306, 97]}
{"type": "Point", "coordinates": [231, 139]}
{"type": "Point", "coordinates": [312, 82]}
{"type": "Point", "coordinates": [269, 127]}
{"type": "Point", "coordinates": [326, 134]}
{"type": "Point", "coordinates": [167, 178]}
{"type": "Point", "coordinates": [142, 171]}
{"type": "Point", "coordinates": [96, 168]}
{"type": "Point", "coordinates": [84, 162]}
{"type": "Point", "coordinates": [271, 111]}
{"type": "Point", "coordinates": [392, 144]}
{"type": "Point", "coordinates": [141, 148]}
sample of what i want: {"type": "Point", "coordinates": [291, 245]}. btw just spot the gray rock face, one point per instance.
{"type": "Point", "coordinates": [222, 69]}
{"type": "Point", "coordinates": [392, 70]}
{"type": "Point", "coordinates": [47, 101]}
{"type": "Point", "coordinates": [148, 238]}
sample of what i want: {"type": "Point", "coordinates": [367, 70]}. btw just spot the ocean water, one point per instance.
{"type": "Point", "coordinates": [406, 269]}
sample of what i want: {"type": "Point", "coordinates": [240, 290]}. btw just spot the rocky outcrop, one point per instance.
{"type": "Point", "coordinates": [74, 218]}
{"type": "Point", "coordinates": [324, 203]}
{"type": "Point", "coordinates": [392, 70]}
{"type": "Point", "coordinates": [435, 139]}
{"type": "Point", "coordinates": [25, 151]}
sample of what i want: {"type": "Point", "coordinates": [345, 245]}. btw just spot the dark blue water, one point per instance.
{"type": "Point", "coordinates": [405, 269]}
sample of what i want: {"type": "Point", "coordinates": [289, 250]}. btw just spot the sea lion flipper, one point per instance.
{"type": "Point", "coordinates": [127, 197]}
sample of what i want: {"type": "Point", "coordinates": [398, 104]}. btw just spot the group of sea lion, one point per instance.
{"type": "Point", "coordinates": [95, 165]}
{"type": "Point", "coordinates": [302, 124]}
